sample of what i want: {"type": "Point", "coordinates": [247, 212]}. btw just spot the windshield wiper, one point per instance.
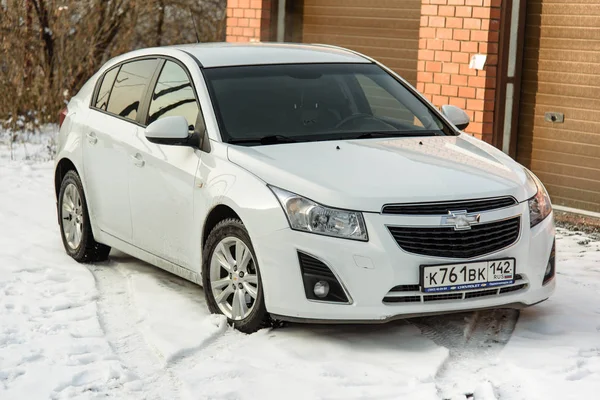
{"type": "Point", "coordinates": [369, 135]}
{"type": "Point", "coordinates": [270, 139]}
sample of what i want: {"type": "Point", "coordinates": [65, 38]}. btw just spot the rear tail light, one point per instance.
{"type": "Point", "coordinates": [62, 116]}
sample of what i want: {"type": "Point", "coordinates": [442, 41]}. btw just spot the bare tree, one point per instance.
{"type": "Point", "coordinates": [49, 48]}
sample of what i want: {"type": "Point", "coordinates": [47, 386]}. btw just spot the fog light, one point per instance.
{"type": "Point", "coordinates": [321, 289]}
{"type": "Point", "coordinates": [551, 266]}
{"type": "Point", "coordinates": [548, 269]}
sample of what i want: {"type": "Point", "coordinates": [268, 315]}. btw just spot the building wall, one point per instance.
{"type": "Point", "coordinates": [561, 75]}
{"type": "Point", "coordinates": [387, 30]}
{"type": "Point", "coordinates": [452, 31]}
{"type": "Point", "coordinates": [248, 20]}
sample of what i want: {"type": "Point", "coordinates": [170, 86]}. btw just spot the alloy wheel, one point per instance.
{"type": "Point", "coordinates": [72, 216]}
{"type": "Point", "coordinates": [233, 278]}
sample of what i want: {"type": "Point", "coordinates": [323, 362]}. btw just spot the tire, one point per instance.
{"type": "Point", "coordinates": [82, 248]}
{"type": "Point", "coordinates": [226, 232]}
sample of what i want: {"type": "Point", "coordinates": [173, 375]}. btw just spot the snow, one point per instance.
{"type": "Point", "coordinates": [557, 345]}
{"type": "Point", "coordinates": [51, 340]}
{"type": "Point", "coordinates": [27, 145]}
{"type": "Point", "coordinates": [126, 330]}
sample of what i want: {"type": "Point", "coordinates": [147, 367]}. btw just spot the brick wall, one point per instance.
{"type": "Point", "coordinates": [451, 32]}
{"type": "Point", "coordinates": [248, 20]}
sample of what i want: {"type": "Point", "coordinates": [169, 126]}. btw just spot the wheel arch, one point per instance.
{"type": "Point", "coordinates": [217, 214]}
{"type": "Point", "coordinates": [62, 167]}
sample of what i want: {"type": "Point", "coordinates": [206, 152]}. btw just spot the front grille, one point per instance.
{"type": "Point", "coordinates": [403, 299]}
{"type": "Point", "coordinates": [392, 297]}
{"type": "Point", "coordinates": [515, 288]}
{"type": "Point", "coordinates": [445, 296]}
{"type": "Point", "coordinates": [481, 293]}
{"type": "Point", "coordinates": [449, 243]}
{"type": "Point", "coordinates": [405, 288]}
{"type": "Point", "coordinates": [440, 208]}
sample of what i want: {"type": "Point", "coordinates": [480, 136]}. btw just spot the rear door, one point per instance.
{"type": "Point", "coordinates": [111, 126]}
{"type": "Point", "coordinates": [162, 187]}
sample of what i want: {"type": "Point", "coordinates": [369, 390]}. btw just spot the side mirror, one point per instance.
{"type": "Point", "coordinates": [172, 131]}
{"type": "Point", "coordinates": [457, 116]}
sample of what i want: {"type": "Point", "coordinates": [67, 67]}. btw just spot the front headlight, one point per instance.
{"type": "Point", "coordinates": [307, 216]}
{"type": "Point", "coordinates": [539, 205]}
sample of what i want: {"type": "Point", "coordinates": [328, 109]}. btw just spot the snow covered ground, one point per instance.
{"type": "Point", "coordinates": [127, 330]}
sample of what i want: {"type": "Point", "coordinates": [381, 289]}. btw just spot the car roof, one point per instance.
{"type": "Point", "coordinates": [235, 54]}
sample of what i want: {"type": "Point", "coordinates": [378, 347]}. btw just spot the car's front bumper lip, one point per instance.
{"type": "Point", "coordinates": [287, 318]}
{"type": "Point", "coordinates": [381, 313]}
{"type": "Point", "coordinates": [388, 266]}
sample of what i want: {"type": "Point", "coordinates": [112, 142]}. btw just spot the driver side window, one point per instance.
{"type": "Point", "coordinates": [173, 96]}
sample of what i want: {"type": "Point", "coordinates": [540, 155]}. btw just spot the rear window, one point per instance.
{"type": "Point", "coordinates": [129, 88]}
{"type": "Point", "coordinates": [316, 102]}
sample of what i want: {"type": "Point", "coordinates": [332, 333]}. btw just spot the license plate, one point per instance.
{"type": "Point", "coordinates": [467, 276]}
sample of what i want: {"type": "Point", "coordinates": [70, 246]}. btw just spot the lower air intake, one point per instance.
{"type": "Point", "coordinates": [313, 271]}
{"type": "Point", "coordinates": [394, 296]}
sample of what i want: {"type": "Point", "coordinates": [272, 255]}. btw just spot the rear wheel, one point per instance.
{"type": "Point", "coordinates": [231, 277]}
{"type": "Point", "coordinates": [75, 226]}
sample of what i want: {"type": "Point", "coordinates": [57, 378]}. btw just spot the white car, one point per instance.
{"type": "Point", "coordinates": [300, 183]}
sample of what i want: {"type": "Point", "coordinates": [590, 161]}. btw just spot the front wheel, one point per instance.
{"type": "Point", "coordinates": [231, 277]}
{"type": "Point", "coordinates": [75, 226]}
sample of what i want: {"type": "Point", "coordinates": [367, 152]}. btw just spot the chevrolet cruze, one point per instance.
{"type": "Point", "coordinates": [300, 183]}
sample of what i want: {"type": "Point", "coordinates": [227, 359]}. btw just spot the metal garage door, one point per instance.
{"type": "Point", "coordinates": [387, 30]}
{"type": "Point", "coordinates": [561, 74]}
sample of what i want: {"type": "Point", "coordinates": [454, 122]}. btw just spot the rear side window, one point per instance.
{"type": "Point", "coordinates": [173, 96]}
{"type": "Point", "coordinates": [129, 88]}
{"type": "Point", "coordinates": [104, 92]}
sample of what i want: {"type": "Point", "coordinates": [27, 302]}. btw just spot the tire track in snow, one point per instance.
{"type": "Point", "coordinates": [118, 318]}
{"type": "Point", "coordinates": [117, 283]}
{"type": "Point", "coordinates": [473, 339]}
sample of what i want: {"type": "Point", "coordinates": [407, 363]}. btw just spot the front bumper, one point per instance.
{"type": "Point", "coordinates": [368, 270]}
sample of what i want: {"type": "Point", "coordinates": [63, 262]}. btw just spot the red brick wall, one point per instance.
{"type": "Point", "coordinates": [451, 32]}
{"type": "Point", "coordinates": [248, 20]}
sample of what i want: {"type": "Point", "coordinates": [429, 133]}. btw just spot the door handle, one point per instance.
{"type": "Point", "coordinates": [91, 137]}
{"type": "Point", "coordinates": [138, 160]}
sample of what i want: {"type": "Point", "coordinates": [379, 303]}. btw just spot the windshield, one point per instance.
{"type": "Point", "coordinates": [311, 102]}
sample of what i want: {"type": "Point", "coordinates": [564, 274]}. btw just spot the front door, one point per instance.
{"type": "Point", "coordinates": [161, 185]}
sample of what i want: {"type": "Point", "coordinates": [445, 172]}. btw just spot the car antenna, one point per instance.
{"type": "Point", "coordinates": [194, 23]}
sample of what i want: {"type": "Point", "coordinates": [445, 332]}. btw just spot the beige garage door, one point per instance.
{"type": "Point", "coordinates": [561, 74]}
{"type": "Point", "coordinates": [387, 30]}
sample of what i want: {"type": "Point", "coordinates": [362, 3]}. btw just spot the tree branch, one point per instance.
{"type": "Point", "coordinates": [46, 33]}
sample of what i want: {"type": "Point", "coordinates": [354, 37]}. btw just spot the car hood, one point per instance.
{"type": "Point", "coordinates": [366, 174]}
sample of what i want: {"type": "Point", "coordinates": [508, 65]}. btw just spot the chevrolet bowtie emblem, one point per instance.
{"type": "Point", "coordinates": [460, 219]}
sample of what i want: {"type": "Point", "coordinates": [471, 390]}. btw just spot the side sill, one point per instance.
{"type": "Point", "coordinates": [157, 261]}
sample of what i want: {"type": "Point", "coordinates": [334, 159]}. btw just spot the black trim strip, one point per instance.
{"type": "Point", "coordinates": [443, 207]}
